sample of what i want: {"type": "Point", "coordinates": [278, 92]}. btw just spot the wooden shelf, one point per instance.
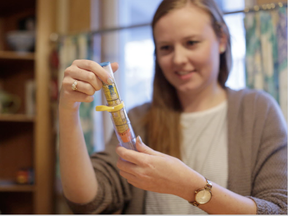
{"type": "Point", "coordinates": [12, 6]}
{"type": "Point", "coordinates": [16, 118]}
{"type": "Point", "coordinates": [16, 55]}
{"type": "Point", "coordinates": [24, 143]}
{"type": "Point", "coordinates": [16, 188]}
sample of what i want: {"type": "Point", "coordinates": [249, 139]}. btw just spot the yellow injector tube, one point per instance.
{"type": "Point", "coordinates": [115, 107]}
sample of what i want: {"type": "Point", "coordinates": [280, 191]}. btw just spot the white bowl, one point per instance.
{"type": "Point", "coordinates": [21, 41]}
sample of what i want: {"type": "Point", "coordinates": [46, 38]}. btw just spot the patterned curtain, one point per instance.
{"type": "Point", "coordinates": [266, 53]}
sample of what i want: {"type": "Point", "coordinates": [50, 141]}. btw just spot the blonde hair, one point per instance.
{"type": "Point", "coordinates": [163, 118]}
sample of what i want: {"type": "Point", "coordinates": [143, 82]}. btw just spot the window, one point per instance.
{"type": "Point", "coordinates": [235, 24]}
{"type": "Point", "coordinates": [138, 50]}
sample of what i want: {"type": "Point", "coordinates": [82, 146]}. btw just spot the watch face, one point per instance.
{"type": "Point", "coordinates": [203, 196]}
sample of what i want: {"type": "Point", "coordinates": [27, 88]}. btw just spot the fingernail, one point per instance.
{"type": "Point", "coordinates": [140, 140]}
{"type": "Point", "coordinates": [110, 81]}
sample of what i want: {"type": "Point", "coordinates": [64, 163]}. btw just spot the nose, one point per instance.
{"type": "Point", "coordinates": [180, 56]}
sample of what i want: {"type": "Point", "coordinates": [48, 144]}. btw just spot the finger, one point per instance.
{"type": "Point", "coordinates": [131, 155]}
{"type": "Point", "coordinates": [95, 68]}
{"type": "Point", "coordinates": [114, 66]}
{"type": "Point", "coordinates": [141, 147]}
{"type": "Point", "coordinates": [131, 179]}
{"type": "Point", "coordinates": [126, 166]}
{"type": "Point", "coordinates": [84, 75]}
{"type": "Point", "coordinates": [82, 87]}
{"type": "Point", "coordinates": [134, 180]}
{"type": "Point", "coordinates": [127, 175]}
{"type": "Point", "coordinates": [78, 96]}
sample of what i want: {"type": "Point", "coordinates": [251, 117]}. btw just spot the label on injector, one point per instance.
{"type": "Point", "coordinates": [110, 92]}
{"type": "Point", "coordinates": [121, 125]}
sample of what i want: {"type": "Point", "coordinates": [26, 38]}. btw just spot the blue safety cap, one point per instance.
{"type": "Point", "coordinates": [103, 64]}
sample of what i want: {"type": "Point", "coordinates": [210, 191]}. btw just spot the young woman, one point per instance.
{"type": "Point", "coordinates": [211, 149]}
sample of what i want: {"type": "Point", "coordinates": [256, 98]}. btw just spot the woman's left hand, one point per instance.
{"type": "Point", "coordinates": [154, 171]}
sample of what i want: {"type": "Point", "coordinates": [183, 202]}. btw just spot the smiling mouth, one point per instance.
{"type": "Point", "coordinates": [182, 73]}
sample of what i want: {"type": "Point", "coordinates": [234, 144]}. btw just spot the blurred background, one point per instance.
{"type": "Point", "coordinates": [40, 38]}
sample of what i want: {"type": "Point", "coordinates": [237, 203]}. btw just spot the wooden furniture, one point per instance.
{"type": "Point", "coordinates": [25, 140]}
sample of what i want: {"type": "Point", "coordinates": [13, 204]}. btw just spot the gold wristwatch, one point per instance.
{"type": "Point", "coordinates": [203, 195]}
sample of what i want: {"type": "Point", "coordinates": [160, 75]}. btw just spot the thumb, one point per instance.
{"type": "Point", "coordinates": [141, 147]}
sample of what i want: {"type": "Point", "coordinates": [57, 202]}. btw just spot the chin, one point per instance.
{"type": "Point", "coordinates": [187, 89]}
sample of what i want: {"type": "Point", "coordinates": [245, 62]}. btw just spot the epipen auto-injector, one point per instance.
{"type": "Point", "coordinates": [115, 107]}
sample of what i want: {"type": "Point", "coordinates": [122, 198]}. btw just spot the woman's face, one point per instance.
{"type": "Point", "coordinates": [188, 50]}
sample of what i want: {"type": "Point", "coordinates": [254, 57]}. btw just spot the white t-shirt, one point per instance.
{"type": "Point", "coordinates": [204, 149]}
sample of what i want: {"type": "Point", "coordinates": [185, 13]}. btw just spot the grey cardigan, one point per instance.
{"type": "Point", "coordinates": [257, 159]}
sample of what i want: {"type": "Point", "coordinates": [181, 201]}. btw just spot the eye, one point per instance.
{"type": "Point", "coordinates": [165, 48]}
{"type": "Point", "coordinates": [191, 43]}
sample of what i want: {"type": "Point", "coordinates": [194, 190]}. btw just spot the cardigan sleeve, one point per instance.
{"type": "Point", "coordinates": [114, 193]}
{"type": "Point", "coordinates": [113, 190]}
{"type": "Point", "coordinates": [269, 183]}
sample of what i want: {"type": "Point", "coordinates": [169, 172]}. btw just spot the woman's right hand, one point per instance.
{"type": "Point", "coordinates": [88, 75]}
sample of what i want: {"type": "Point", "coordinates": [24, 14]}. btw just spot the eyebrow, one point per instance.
{"type": "Point", "coordinates": [192, 36]}
{"type": "Point", "coordinates": [185, 38]}
{"type": "Point", "coordinates": [162, 42]}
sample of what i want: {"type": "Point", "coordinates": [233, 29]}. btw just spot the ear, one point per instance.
{"type": "Point", "coordinates": [222, 42]}
{"type": "Point", "coordinates": [222, 49]}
